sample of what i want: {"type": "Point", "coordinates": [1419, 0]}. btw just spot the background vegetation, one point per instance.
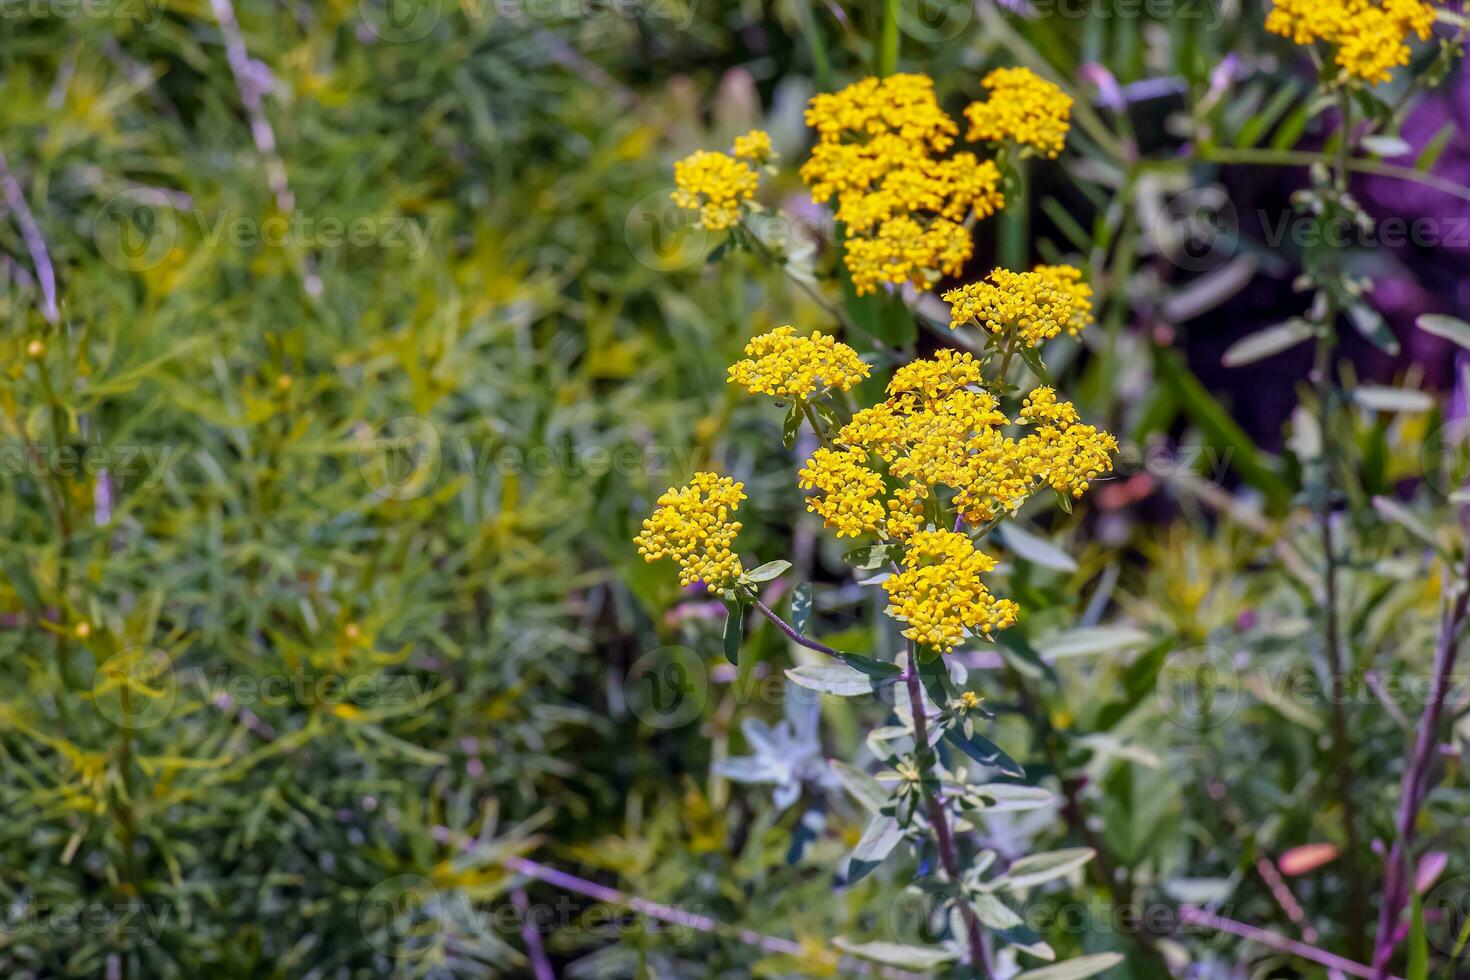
{"type": "Point", "coordinates": [345, 346]}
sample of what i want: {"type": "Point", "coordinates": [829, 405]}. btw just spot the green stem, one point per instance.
{"type": "Point", "coordinates": [1015, 220]}
{"type": "Point", "coordinates": [888, 40]}
{"type": "Point", "coordinates": [817, 43]}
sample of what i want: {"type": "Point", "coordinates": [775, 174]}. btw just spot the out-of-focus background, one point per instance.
{"type": "Point", "coordinates": [346, 345]}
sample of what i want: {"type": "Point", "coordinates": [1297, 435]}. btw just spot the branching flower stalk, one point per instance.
{"type": "Point", "coordinates": [922, 476]}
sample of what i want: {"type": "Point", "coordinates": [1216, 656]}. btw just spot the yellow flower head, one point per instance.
{"type": "Point", "coordinates": [692, 526]}
{"type": "Point", "coordinates": [1022, 107]}
{"type": "Point", "coordinates": [904, 208]}
{"type": "Point", "coordinates": [849, 492]}
{"type": "Point", "coordinates": [782, 364]}
{"type": "Point", "coordinates": [1037, 305]}
{"type": "Point", "coordinates": [714, 185]}
{"type": "Point", "coordinates": [938, 592]}
{"type": "Point", "coordinates": [1062, 453]}
{"type": "Point", "coordinates": [1371, 36]}
{"type": "Point", "coordinates": [1068, 280]}
{"type": "Point", "coordinates": [754, 146]}
{"type": "Point", "coordinates": [933, 378]}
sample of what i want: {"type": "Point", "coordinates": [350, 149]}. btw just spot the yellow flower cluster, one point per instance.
{"type": "Point", "coordinates": [938, 592]}
{"type": "Point", "coordinates": [1062, 453]}
{"type": "Point", "coordinates": [935, 430]}
{"type": "Point", "coordinates": [1038, 305]}
{"type": "Point", "coordinates": [715, 184]}
{"type": "Point", "coordinates": [1370, 35]}
{"type": "Point", "coordinates": [754, 146]}
{"type": "Point", "coordinates": [849, 491]}
{"type": "Point", "coordinates": [1022, 107]}
{"type": "Point", "coordinates": [782, 364]}
{"type": "Point", "coordinates": [692, 526]}
{"type": "Point", "coordinates": [903, 206]}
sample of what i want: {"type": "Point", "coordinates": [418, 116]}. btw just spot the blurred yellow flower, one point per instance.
{"type": "Point", "coordinates": [1370, 35]}
{"type": "Point", "coordinates": [1022, 107]}
{"type": "Point", "coordinates": [714, 185]}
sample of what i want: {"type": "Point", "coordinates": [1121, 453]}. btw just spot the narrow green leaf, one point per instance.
{"type": "Point", "coordinates": [1037, 869]}
{"type": "Point", "coordinates": [1418, 944]}
{"type": "Point", "coordinates": [1089, 641]}
{"type": "Point", "coordinates": [1266, 343]}
{"type": "Point", "coordinates": [878, 841]}
{"type": "Point", "coordinates": [791, 425]}
{"type": "Point", "coordinates": [801, 607]}
{"type": "Point", "coordinates": [734, 630]}
{"type": "Point", "coordinates": [860, 785]}
{"type": "Point", "coordinates": [1385, 145]}
{"type": "Point", "coordinates": [984, 751]}
{"type": "Point", "coordinates": [896, 954]}
{"type": "Point", "coordinates": [837, 679]}
{"type": "Point", "coordinates": [1384, 399]}
{"type": "Point", "coordinates": [1077, 969]}
{"type": "Point", "coordinates": [1035, 550]}
{"type": "Point", "coordinates": [1448, 327]}
{"type": "Point", "coordinates": [1370, 323]}
{"type": "Point", "coordinates": [765, 573]}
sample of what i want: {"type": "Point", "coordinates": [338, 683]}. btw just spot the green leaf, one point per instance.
{"type": "Point", "coordinates": [896, 954]}
{"type": "Point", "coordinates": [861, 786]}
{"type": "Point", "coordinates": [1037, 869]}
{"type": "Point", "coordinates": [984, 751]}
{"type": "Point", "coordinates": [1432, 150]}
{"type": "Point", "coordinates": [1448, 327]}
{"type": "Point", "coordinates": [1267, 343]}
{"type": "Point", "coordinates": [765, 573]}
{"type": "Point", "coordinates": [801, 607]}
{"type": "Point", "coordinates": [995, 914]}
{"type": "Point", "coordinates": [878, 841]}
{"type": "Point", "coordinates": [880, 669]}
{"type": "Point", "coordinates": [1012, 798]}
{"type": "Point", "coordinates": [873, 556]}
{"type": "Point", "coordinates": [1418, 943]}
{"type": "Point", "coordinates": [1090, 641]}
{"type": "Point", "coordinates": [837, 679]}
{"type": "Point", "coordinates": [1384, 399]}
{"type": "Point", "coordinates": [791, 425]}
{"type": "Point", "coordinates": [1082, 966]}
{"type": "Point", "coordinates": [1370, 323]}
{"type": "Point", "coordinates": [734, 630]}
{"type": "Point", "coordinates": [1035, 550]}
{"type": "Point", "coordinates": [1392, 510]}
{"type": "Point", "coordinates": [1385, 145]}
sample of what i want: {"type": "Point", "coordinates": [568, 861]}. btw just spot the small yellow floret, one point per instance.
{"type": "Point", "coordinates": [1371, 36]}
{"type": "Point", "coordinates": [754, 146]}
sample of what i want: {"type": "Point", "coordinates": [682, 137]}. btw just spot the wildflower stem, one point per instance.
{"type": "Point", "coordinates": [806, 287]}
{"type": "Point", "coordinates": [790, 630]}
{"type": "Point", "coordinates": [888, 40]}
{"type": "Point", "coordinates": [1357, 897]}
{"type": "Point", "coordinates": [1015, 219]}
{"type": "Point", "coordinates": [937, 817]}
{"type": "Point", "coordinates": [1399, 879]}
{"type": "Point", "coordinates": [816, 424]}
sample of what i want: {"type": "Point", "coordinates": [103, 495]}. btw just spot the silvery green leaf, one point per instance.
{"type": "Point", "coordinates": [1370, 323]}
{"type": "Point", "coordinates": [1075, 969]}
{"type": "Point", "coordinates": [1266, 343]}
{"type": "Point", "coordinates": [1448, 327]}
{"type": "Point", "coordinates": [995, 914]}
{"type": "Point", "coordinates": [734, 630]}
{"type": "Point", "coordinates": [1011, 798]}
{"type": "Point", "coordinates": [896, 954]}
{"type": "Point", "coordinates": [1385, 145]}
{"type": "Point", "coordinates": [1392, 510]}
{"type": "Point", "coordinates": [873, 556]}
{"type": "Point", "coordinates": [766, 572]}
{"type": "Point", "coordinates": [1037, 869]}
{"type": "Point", "coordinates": [1036, 550]}
{"type": "Point", "coordinates": [1199, 891]}
{"type": "Point", "coordinates": [791, 424]}
{"type": "Point", "coordinates": [838, 679]}
{"type": "Point", "coordinates": [1380, 398]}
{"type": "Point", "coordinates": [860, 785]}
{"type": "Point", "coordinates": [878, 841]}
{"type": "Point", "coordinates": [1093, 640]}
{"type": "Point", "coordinates": [801, 607]}
{"type": "Point", "coordinates": [984, 751]}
